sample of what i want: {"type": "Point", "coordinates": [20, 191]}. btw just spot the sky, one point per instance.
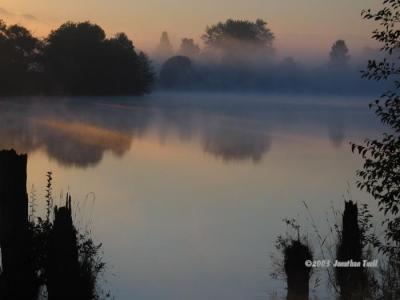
{"type": "Point", "coordinates": [303, 28]}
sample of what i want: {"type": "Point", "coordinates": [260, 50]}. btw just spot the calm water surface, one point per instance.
{"type": "Point", "coordinates": [187, 192]}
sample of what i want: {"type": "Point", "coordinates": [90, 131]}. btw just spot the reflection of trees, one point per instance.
{"type": "Point", "coordinates": [234, 145]}
{"type": "Point", "coordinates": [336, 135]}
{"type": "Point", "coordinates": [219, 134]}
{"type": "Point", "coordinates": [74, 135]}
{"type": "Point", "coordinates": [336, 129]}
{"type": "Point", "coordinates": [17, 129]}
{"type": "Point", "coordinates": [73, 153]}
{"type": "Point", "coordinates": [82, 144]}
{"type": "Point", "coordinates": [80, 133]}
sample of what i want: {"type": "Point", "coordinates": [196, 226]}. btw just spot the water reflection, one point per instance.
{"type": "Point", "coordinates": [337, 135]}
{"type": "Point", "coordinates": [233, 144]}
{"type": "Point", "coordinates": [71, 133]}
{"type": "Point", "coordinates": [173, 204]}
{"type": "Point", "coordinates": [79, 144]}
{"type": "Point", "coordinates": [77, 132]}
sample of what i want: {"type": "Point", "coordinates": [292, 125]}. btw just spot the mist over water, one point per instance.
{"type": "Point", "coordinates": [231, 126]}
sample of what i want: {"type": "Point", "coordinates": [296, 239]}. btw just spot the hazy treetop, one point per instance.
{"type": "Point", "coordinates": [189, 48]}
{"type": "Point", "coordinates": [339, 54]}
{"type": "Point", "coordinates": [256, 33]}
{"type": "Point", "coordinates": [164, 49]}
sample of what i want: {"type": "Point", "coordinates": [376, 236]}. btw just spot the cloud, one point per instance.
{"type": "Point", "coordinates": [4, 12]}
{"type": "Point", "coordinates": [29, 17]}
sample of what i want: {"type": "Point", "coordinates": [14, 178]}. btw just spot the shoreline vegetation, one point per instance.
{"type": "Point", "coordinates": [43, 258]}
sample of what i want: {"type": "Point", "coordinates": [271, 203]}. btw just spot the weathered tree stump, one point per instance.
{"type": "Point", "coordinates": [297, 273]}
{"type": "Point", "coordinates": [351, 280]}
{"type": "Point", "coordinates": [59, 257]}
{"type": "Point", "coordinates": [17, 277]}
{"type": "Point", "coordinates": [63, 265]}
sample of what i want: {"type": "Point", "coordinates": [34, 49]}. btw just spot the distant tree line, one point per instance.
{"type": "Point", "coordinates": [239, 55]}
{"type": "Point", "coordinates": [75, 59]}
{"type": "Point", "coordinates": [231, 40]}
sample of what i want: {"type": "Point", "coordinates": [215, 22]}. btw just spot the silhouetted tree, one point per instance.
{"type": "Point", "coordinates": [339, 54]}
{"type": "Point", "coordinates": [19, 51]}
{"type": "Point", "coordinates": [126, 71]}
{"type": "Point", "coordinates": [380, 175]}
{"type": "Point", "coordinates": [78, 59]}
{"type": "Point", "coordinates": [177, 72]}
{"type": "Point", "coordinates": [164, 49]}
{"type": "Point", "coordinates": [73, 57]}
{"type": "Point", "coordinates": [189, 48]}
